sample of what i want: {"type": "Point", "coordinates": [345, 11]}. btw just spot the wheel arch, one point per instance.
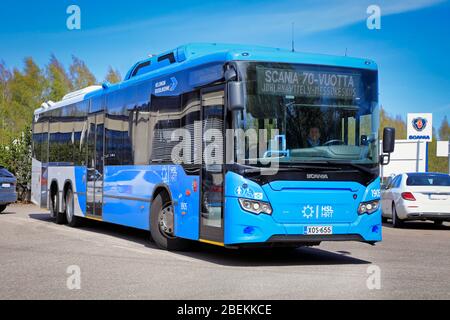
{"type": "Point", "coordinates": [52, 191]}
{"type": "Point", "coordinates": [54, 188]}
{"type": "Point", "coordinates": [54, 185]}
{"type": "Point", "coordinates": [164, 190]}
{"type": "Point", "coordinates": [162, 241]}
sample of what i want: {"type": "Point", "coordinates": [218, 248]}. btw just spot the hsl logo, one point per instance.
{"type": "Point", "coordinates": [419, 123]}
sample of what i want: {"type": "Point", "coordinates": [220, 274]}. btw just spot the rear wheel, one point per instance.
{"type": "Point", "coordinates": [54, 209]}
{"type": "Point", "coordinates": [384, 219]}
{"type": "Point", "coordinates": [396, 222]}
{"type": "Point", "coordinates": [162, 225]}
{"type": "Point", "coordinates": [2, 208]}
{"type": "Point", "coordinates": [72, 220]}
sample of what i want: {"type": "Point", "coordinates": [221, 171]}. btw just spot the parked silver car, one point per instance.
{"type": "Point", "coordinates": [8, 192]}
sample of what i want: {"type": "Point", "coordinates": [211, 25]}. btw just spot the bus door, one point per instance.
{"type": "Point", "coordinates": [94, 180]}
{"type": "Point", "coordinates": [212, 173]}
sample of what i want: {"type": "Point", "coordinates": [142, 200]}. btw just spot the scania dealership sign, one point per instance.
{"type": "Point", "coordinates": [420, 127]}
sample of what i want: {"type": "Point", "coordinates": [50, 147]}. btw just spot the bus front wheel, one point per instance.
{"type": "Point", "coordinates": [162, 225]}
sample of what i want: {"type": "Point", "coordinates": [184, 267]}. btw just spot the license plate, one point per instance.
{"type": "Point", "coordinates": [6, 185]}
{"type": "Point", "coordinates": [318, 230]}
{"type": "Point", "coordinates": [438, 197]}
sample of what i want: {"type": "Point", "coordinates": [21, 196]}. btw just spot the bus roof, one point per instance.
{"type": "Point", "coordinates": [196, 54]}
{"type": "Point", "coordinates": [229, 52]}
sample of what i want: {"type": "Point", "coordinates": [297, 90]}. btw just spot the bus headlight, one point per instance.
{"type": "Point", "coordinates": [368, 207]}
{"type": "Point", "coordinates": [255, 206]}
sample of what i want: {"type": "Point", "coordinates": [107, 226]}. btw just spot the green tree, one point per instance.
{"type": "Point", "coordinates": [435, 163]}
{"type": "Point", "coordinates": [16, 156]}
{"type": "Point", "coordinates": [444, 130]}
{"type": "Point", "coordinates": [396, 122]}
{"type": "Point", "coordinates": [113, 76]}
{"type": "Point", "coordinates": [80, 75]}
{"type": "Point", "coordinates": [58, 80]}
{"type": "Point", "coordinates": [27, 91]}
{"type": "Point", "coordinates": [5, 76]}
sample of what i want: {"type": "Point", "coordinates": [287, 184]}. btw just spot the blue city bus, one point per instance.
{"type": "Point", "coordinates": [107, 152]}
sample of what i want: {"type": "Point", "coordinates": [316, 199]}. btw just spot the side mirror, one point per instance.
{"type": "Point", "coordinates": [235, 95]}
{"type": "Point", "coordinates": [388, 140]}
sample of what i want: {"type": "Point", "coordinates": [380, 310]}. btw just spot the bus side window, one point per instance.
{"type": "Point", "coordinates": [167, 109]}
{"type": "Point", "coordinates": [191, 105]}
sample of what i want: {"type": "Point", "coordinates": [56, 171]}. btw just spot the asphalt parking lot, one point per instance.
{"type": "Point", "coordinates": [121, 263]}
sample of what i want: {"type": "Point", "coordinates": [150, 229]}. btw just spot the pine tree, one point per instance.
{"type": "Point", "coordinates": [113, 76]}
{"type": "Point", "coordinates": [80, 75]}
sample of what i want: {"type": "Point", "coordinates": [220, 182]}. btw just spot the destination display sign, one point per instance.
{"type": "Point", "coordinates": [308, 83]}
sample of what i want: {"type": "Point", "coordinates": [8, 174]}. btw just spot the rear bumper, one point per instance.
{"type": "Point", "coordinates": [428, 216]}
{"type": "Point", "coordinates": [413, 211]}
{"type": "Point", "coordinates": [243, 228]}
{"type": "Point", "coordinates": [8, 197]}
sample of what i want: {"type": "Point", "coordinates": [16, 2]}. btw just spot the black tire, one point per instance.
{"type": "Point", "coordinates": [396, 222]}
{"type": "Point", "coordinates": [384, 219]}
{"type": "Point", "coordinates": [54, 209]}
{"type": "Point", "coordinates": [2, 208]}
{"type": "Point", "coordinates": [72, 220]}
{"type": "Point", "coordinates": [438, 223]}
{"type": "Point", "coordinates": [163, 239]}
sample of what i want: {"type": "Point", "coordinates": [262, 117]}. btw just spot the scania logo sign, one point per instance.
{"type": "Point", "coordinates": [419, 123]}
{"type": "Point", "coordinates": [419, 127]}
{"type": "Point", "coordinates": [418, 137]}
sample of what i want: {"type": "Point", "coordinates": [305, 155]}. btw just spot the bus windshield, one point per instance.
{"type": "Point", "coordinates": [319, 113]}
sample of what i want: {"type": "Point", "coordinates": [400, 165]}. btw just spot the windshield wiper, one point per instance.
{"type": "Point", "coordinates": [358, 167]}
{"type": "Point", "coordinates": [306, 167]}
{"type": "Point", "coordinates": [315, 166]}
{"type": "Point", "coordinates": [246, 169]}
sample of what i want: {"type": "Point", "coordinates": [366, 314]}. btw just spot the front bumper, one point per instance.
{"type": "Point", "coordinates": [243, 228]}
{"type": "Point", "coordinates": [8, 197]}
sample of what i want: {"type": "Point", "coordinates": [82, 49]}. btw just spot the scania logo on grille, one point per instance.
{"type": "Point", "coordinates": [316, 176]}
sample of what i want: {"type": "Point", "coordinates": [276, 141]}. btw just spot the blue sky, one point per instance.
{"type": "Point", "coordinates": [412, 48]}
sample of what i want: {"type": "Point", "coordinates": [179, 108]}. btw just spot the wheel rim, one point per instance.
{"type": "Point", "coordinates": [165, 221]}
{"type": "Point", "coordinates": [69, 207]}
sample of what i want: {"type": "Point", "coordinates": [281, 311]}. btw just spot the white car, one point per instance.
{"type": "Point", "coordinates": [416, 196]}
